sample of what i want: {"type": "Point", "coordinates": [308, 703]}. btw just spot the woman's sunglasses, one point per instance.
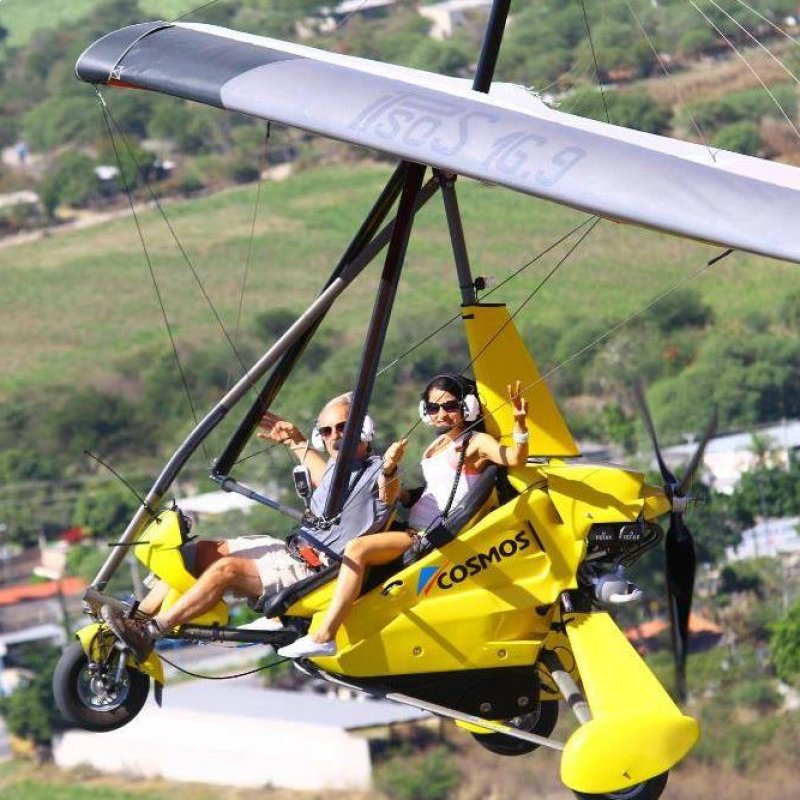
{"type": "Point", "coordinates": [450, 406]}
{"type": "Point", "coordinates": [326, 431]}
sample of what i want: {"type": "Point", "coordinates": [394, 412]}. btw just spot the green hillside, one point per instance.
{"type": "Point", "coordinates": [22, 18]}
{"type": "Point", "coordinates": [77, 302]}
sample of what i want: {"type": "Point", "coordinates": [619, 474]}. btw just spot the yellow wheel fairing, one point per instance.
{"type": "Point", "coordinates": [636, 731]}
{"type": "Point", "coordinates": [97, 642]}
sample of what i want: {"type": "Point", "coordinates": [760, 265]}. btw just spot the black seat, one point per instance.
{"type": "Point", "coordinates": [275, 605]}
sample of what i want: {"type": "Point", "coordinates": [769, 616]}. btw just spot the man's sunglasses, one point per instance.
{"type": "Point", "coordinates": [450, 406]}
{"type": "Point", "coordinates": [326, 431]}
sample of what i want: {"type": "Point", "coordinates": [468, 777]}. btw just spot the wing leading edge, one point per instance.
{"type": "Point", "coordinates": [508, 137]}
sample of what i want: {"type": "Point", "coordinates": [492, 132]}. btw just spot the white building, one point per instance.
{"type": "Point", "coordinates": [770, 537]}
{"type": "Point", "coordinates": [727, 457]}
{"type": "Point", "coordinates": [448, 17]}
{"type": "Point", "coordinates": [237, 735]}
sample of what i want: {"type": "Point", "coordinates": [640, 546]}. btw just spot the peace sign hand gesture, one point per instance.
{"type": "Point", "coordinates": [519, 405]}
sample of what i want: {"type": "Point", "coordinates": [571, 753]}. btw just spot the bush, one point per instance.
{"type": "Point", "coordinates": [757, 694]}
{"type": "Point", "coordinates": [71, 182]}
{"type": "Point", "coordinates": [739, 137]}
{"type": "Point", "coordinates": [634, 109]}
{"type": "Point", "coordinates": [785, 646]}
{"type": "Point", "coordinates": [29, 712]}
{"type": "Point", "coordinates": [427, 777]}
{"type": "Point", "coordinates": [683, 308]}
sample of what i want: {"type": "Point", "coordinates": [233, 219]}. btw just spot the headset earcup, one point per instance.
{"type": "Point", "coordinates": [368, 429]}
{"type": "Point", "coordinates": [472, 408]}
{"type": "Point", "coordinates": [423, 413]}
{"type": "Point", "coordinates": [317, 442]}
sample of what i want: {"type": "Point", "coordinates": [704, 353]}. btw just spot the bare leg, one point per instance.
{"type": "Point", "coordinates": [379, 548]}
{"type": "Point", "coordinates": [152, 601]}
{"type": "Point", "coordinates": [228, 572]}
{"type": "Point", "coordinates": [208, 551]}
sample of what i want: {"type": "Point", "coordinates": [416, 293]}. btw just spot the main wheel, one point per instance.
{"type": "Point", "coordinates": [95, 697]}
{"type": "Point", "coordinates": [647, 790]}
{"type": "Point", "coordinates": [541, 721]}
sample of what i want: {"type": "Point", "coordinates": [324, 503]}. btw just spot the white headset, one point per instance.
{"type": "Point", "coordinates": [367, 433]}
{"type": "Point", "coordinates": [470, 405]}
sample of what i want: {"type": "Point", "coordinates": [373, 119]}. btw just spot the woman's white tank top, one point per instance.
{"type": "Point", "coordinates": [440, 473]}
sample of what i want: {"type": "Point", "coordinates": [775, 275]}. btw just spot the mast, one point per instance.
{"type": "Point", "coordinates": [490, 49]}
{"type": "Point", "coordinates": [484, 73]}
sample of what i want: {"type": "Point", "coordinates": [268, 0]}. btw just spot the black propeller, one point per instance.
{"type": "Point", "coordinates": [681, 563]}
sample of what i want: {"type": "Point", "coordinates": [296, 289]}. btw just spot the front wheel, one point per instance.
{"type": "Point", "coordinates": [647, 790]}
{"type": "Point", "coordinates": [541, 721]}
{"type": "Point", "coordinates": [99, 696]}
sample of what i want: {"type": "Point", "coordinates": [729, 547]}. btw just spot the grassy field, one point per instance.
{"type": "Point", "coordinates": [22, 18]}
{"type": "Point", "coordinates": [77, 304]}
{"type": "Point", "coordinates": [20, 780]}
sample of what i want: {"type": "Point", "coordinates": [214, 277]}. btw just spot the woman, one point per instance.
{"type": "Point", "coordinates": [450, 465]}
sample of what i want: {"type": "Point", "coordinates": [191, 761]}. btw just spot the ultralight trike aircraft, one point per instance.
{"type": "Point", "coordinates": [500, 617]}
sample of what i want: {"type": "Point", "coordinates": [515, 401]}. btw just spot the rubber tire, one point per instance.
{"type": "Point", "coordinates": [66, 678]}
{"type": "Point", "coordinates": [502, 745]}
{"type": "Point", "coordinates": [647, 790]}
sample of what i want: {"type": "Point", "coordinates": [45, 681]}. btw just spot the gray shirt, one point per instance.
{"type": "Point", "coordinates": [362, 511]}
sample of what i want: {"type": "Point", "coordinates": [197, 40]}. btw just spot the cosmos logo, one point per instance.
{"type": "Point", "coordinates": [446, 577]}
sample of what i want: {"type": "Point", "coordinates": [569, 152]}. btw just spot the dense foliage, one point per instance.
{"type": "Point", "coordinates": [785, 646]}
{"type": "Point", "coordinates": [29, 712]}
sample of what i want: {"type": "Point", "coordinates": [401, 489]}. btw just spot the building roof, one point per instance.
{"type": "Point", "coordinates": [785, 436]}
{"type": "Point", "coordinates": [281, 705]}
{"type": "Point", "coordinates": [770, 537]}
{"type": "Point", "coordinates": [655, 627]}
{"type": "Point", "coordinates": [41, 591]}
{"type": "Point", "coordinates": [215, 503]}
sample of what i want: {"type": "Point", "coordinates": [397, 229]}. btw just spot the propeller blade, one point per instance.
{"type": "Point", "coordinates": [697, 458]}
{"type": "Point", "coordinates": [681, 564]}
{"type": "Point", "coordinates": [666, 474]}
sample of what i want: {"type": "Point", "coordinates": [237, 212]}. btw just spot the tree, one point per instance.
{"type": "Point", "coordinates": [72, 182]}
{"type": "Point", "coordinates": [785, 646]}
{"type": "Point", "coordinates": [683, 308]}
{"type": "Point", "coordinates": [30, 712]}
{"type": "Point", "coordinates": [739, 137]}
{"type": "Point", "coordinates": [105, 511]}
{"type": "Point", "coordinates": [635, 109]}
{"type": "Point", "coordinates": [429, 777]}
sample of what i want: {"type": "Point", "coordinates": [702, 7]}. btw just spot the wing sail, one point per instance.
{"type": "Point", "coordinates": [508, 137]}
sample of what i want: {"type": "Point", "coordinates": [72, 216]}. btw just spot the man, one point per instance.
{"type": "Point", "coordinates": [257, 565]}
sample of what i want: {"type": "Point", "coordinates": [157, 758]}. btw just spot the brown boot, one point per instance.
{"type": "Point", "coordinates": [133, 632]}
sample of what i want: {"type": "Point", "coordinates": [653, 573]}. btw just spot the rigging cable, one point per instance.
{"type": "Point", "coordinates": [756, 41]}
{"type": "Point", "coordinates": [261, 166]}
{"type": "Point", "coordinates": [535, 291]}
{"type": "Point", "coordinates": [614, 328]}
{"type": "Point", "coordinates": [194, 10]}
{"type": "Point", "coordinates": [747, 64]}
{"type": "Point", "coordinates": [151, 269]}
{"type": "Point", "coordinates": [769, 22]}
{"type": "Point", "coordinates": [586, 348]}
{"type": "Point", "coordinates": [178, 243]}
{"type": "Point", "coordinates": [594, 56]}
{"type": "Point", "coordinates": [222, 677]}
{"type": "Point", "coordinates": [673, 83]}
{"type": "Point", "coordinates": [506, 280]}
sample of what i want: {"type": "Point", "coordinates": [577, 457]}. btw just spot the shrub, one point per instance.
{"type": "Point", "coordinates": [29, 712]}
{"type": "Point", "coordinates": [785, 646]}
{"type": "Point", "coordinates": [740, 137]}
{"type": "Point", "coordinates": [758, 694]}
{"type": "Point", "coordinates": [427, 777]}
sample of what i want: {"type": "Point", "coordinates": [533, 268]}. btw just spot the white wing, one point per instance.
{"type": "Point", "coordinates": [508, 137]}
